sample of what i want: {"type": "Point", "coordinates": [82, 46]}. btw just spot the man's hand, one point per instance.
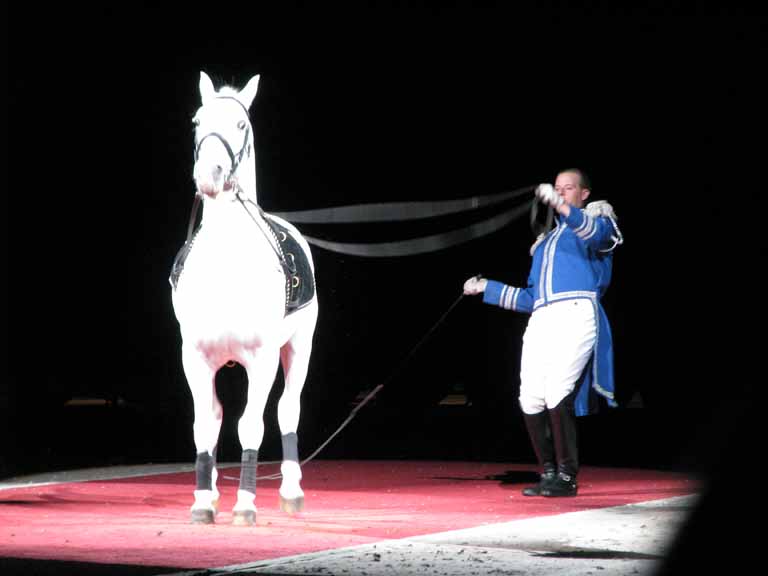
{"type": "Point", "coordinates": [547, 194]}
{"type": "Point", "coordinates": [475, 285]}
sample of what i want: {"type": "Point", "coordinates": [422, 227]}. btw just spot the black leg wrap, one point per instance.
{"type": "Point", "coordinates": [565, 436]}
{"type": "Point", "coordinates": [249, 461]}
{"type": "Point", "coordinates": [541, 439]}
{"type": "Point", "coordinates": [204, 471]}
{"type": "Point", "coordinates": [290, 447]}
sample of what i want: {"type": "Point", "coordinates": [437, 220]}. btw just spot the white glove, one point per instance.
{"type": "Point", "coordinates": [547, 194]}
{"type": "Point", "coordinates": [475, 285]}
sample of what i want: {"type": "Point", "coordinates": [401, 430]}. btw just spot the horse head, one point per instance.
{"type": "Point", "coordinates": [224, 158]}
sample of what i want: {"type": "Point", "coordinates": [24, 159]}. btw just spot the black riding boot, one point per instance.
{"type": "Point", "coordinates": [541, 439]}
{"type": "Point", "coordinates": [565, 437]}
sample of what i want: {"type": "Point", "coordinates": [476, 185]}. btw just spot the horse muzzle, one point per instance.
{"type": "Point", "coordinates": [211, 180]}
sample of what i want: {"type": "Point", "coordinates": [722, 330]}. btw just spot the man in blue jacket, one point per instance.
{"type": "Point", "coordinates": [567, 355]}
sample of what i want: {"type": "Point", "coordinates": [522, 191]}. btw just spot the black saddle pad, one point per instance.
{"type": "Point", "coordinates": [299, 279]}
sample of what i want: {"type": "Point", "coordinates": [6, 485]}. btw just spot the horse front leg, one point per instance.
{"type": "Point", "coordinates": [261, 368]}
{"type": "Point", "coordinates": [207, 424]}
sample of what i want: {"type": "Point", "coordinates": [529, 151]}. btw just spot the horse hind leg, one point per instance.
{"type": "Point", "coordinates": [295, 356]}
{"type": "Point", "coordinates": [261, 369]}
{"type": "Point", "coordinates": [291, 494]}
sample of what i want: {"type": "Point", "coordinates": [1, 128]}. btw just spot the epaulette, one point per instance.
{"type": "Point", "coordinates": [600, 208]}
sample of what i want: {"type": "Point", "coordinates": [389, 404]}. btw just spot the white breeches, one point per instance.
{"type": "Point", "coordinates": [557, 345]}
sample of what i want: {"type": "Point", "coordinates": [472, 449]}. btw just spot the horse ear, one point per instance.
{"type": "Point", "coordinates": [207, 91]}
{"type": "Point", "coordinates": [247, 94]}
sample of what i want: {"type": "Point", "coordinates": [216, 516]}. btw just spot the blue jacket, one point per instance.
{"type": "Point", "coordinates": [573, 260]}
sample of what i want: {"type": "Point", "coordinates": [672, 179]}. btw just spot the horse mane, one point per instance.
{"type": "Point", "coordinates": [227, 91]}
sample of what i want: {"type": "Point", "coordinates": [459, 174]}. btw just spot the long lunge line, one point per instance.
{"type": "Point", "coordinates": [372, 393]}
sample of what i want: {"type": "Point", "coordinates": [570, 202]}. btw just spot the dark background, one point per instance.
{"type": "Point", "coordinates": [658, 102]}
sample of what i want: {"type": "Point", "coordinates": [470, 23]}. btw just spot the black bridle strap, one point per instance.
{"type": "Point", "coordinates": [236, 100]}
{"type": "Point", "coordinates": [233, 160]}
{"type": "Point", "coordinates": [222, 140]}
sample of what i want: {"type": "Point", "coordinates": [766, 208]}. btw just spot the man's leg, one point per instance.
{"type": "Point", "coordinates": [566, 441]}
{"type": "Point", "coordinates": [572, 345]}
{"type": "Point", "coordinates": [541, 440]}
{"type": "Point", "coordinates": [533, 368]}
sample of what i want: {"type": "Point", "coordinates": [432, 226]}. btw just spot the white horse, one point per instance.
{"type": "Point", "coordinates": [234, 298]}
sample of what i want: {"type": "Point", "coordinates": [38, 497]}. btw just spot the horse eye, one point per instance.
{"type": "Point", "coordinates": [241, 125]}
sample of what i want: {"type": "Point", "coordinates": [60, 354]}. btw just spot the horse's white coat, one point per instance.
{"type": "Point", "coordinates": [230, 298]}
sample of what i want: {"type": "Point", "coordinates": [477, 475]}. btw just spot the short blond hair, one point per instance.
{"type": "Point", "coordinates": [584, 180]}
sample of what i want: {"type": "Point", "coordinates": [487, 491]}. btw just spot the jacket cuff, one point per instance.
{"type": "Point", "coordinates": [499, 294]}
{"type": "Point", "coordinates": [575, 218]}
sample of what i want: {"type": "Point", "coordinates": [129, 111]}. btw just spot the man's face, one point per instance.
{"type": "Point", "coordinates": [568, 185]}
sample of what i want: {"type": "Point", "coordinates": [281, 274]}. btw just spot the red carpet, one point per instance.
{"type": "Point", "coordinates": [145, 521]}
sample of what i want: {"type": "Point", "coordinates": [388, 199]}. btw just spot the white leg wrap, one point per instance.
{"type": "Point", "coordinates": [245, 501]}
{"type": "Point", "coordinates": [290, 487]}
{"type": "Point", "coordinates": [206, 500]}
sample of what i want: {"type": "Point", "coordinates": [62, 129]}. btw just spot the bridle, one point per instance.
{"type": "Point", "coordinates": [235, 161]}
{"type": "Point", "coordinates": [245, 148]}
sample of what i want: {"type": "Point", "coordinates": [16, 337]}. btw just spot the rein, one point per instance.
{"type": "Point", "coordinates": [536, 226]}
{"type": "Point", "coordinates": [288, 268]}
{"type": "Point", "coordinates": [192, 219]}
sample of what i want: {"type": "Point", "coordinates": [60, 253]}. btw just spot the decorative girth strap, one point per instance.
{"type": "Point", "coordinates": [299, 278]}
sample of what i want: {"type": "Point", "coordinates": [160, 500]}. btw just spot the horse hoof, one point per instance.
{"type": "Point", "coordinates": [202, 516]}
{"type": "Point", "coordinates": [243, 517]}
{"type": "Point", "coordinates": [292, 505]}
